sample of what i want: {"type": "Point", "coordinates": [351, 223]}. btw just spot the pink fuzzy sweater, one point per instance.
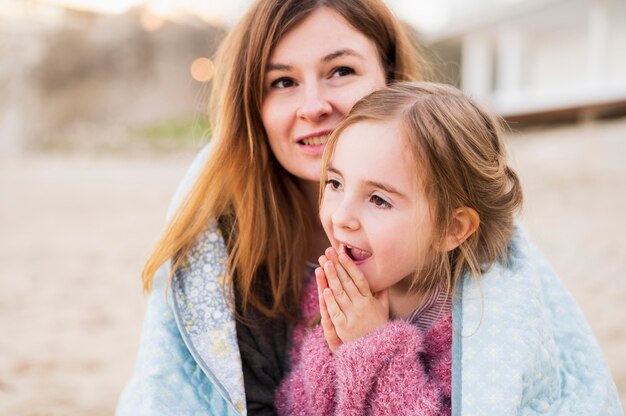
{"type": "Point", "coordinates": [397, 370]}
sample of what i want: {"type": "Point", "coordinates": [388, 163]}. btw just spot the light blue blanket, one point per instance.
{"type": "Point", "coordinates": [523, 347]}
{"type": "Point", "coordinates": [520, 344]}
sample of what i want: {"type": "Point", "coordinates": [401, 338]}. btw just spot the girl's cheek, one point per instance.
{"type": "Point", "coordinates": [327, 207]}
{"type": "Point", "coordinates": [324, 214]}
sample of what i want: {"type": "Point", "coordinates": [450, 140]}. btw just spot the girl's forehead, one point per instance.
{"type": "Point", "coordinates": [379, 147]}
{"type": "Point", "coordinates": [380, 133]}
{"type": "Point", "coordinates": [372, 142]}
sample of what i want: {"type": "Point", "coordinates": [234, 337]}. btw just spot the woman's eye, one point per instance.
{"type": "Point", "coordinates": [343, 71]}
{"type": "Point", "coordinates": [283, 83]}
{"type": "Point", "coordinates": [379, 202]}
{"type": "Point", "coordinates": [333, 184]}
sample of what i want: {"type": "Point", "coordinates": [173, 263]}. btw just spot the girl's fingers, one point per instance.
{"type": "Point", "coordinates": [324, 311]}
{"type": "Point", "coordinates": [347, 282]}
{"type": "Point", "coordinates": [330, 334]}
{"type": "Point", "coordinates": [358, 279]}
{"type": "Point", "coordinates": [320, 279]}
{"type": "Point", "coordinates": [344, 277]}
{"type": "Point", "coordinates": [321, 260]}
{"type": "Point", "coordinates": [327, 324]}
{"type": "Point", "coordinates": [336, 316]}
{"type": "Point", "coordinates": [334, 284]}
{"type": "Point", "coordinates": [329, 330]}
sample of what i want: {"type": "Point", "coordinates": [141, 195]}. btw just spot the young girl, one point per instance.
{"type": "Point", "coordinates": [418, 192]}
{"type": "Point", "coordinates": [418, 204]}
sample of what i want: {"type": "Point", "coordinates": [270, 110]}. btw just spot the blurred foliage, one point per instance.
{"type": "Point", "coordinates": [176, 133]}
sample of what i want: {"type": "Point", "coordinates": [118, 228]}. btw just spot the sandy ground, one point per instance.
{"type": "Point", "coordinates": [76, 230]}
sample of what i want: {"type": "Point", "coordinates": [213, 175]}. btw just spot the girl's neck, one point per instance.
{"type": "Point", "coordinates": [403, 303]}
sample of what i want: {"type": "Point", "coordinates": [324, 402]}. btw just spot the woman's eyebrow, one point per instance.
{"type": "Point", "coordinates": [341, 52]}
{"type": "Point", "coordinates": [272, 66]}
{"type": "Point", "coordinates": [278, 67]}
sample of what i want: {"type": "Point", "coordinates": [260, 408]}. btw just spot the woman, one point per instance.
{"type": "Point", "coordinates": [287, 75]}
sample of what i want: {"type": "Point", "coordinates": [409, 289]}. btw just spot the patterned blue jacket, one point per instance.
{"type": "Point", "coordinates": [520, 345]}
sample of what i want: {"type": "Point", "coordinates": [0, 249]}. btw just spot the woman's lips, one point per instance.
{"type": "Point", "coordinates": [314, 143]}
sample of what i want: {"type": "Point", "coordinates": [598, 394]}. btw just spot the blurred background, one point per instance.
{"type": "Point", "coordinates": [102, 109]}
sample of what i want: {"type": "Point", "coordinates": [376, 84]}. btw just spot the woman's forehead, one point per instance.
{"type": "Point", "coordinates": [320, 35]}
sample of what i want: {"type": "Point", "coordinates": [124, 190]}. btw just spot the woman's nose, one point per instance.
{"type": "Point", "coordinates": [314, 105]}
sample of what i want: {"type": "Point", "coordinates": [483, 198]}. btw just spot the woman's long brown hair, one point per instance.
{"type": "Point", "coordinates": [241, 184]}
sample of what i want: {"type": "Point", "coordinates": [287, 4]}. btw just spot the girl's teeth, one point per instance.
{"type": "Point", "coordinates": [315, 141]}
{"type": "Point", "coordinates": [355, 254]}
{"type": "Point", "coordinates": [358, 254]}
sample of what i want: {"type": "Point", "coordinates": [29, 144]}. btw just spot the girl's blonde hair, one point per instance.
{"type": "Point", "coordinates": [257, 202]}
{"type": "Point", "coordinates": [459, 149]}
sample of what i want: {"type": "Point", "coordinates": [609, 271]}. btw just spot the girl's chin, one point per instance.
{"type": "Point", "coordinates": [373, 286]}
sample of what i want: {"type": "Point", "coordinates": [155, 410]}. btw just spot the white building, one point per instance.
{"type": "Point", "coordinates": [532, 58]}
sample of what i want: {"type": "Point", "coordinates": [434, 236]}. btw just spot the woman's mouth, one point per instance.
{"type": "Point", "coordinates": [314, 143]}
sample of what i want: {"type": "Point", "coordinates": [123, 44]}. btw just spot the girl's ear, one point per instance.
{"type": "Point", "coordinates": [465, 222]}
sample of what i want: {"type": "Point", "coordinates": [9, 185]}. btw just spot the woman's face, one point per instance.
{"type": "Point", "coordinates": [315, 74]}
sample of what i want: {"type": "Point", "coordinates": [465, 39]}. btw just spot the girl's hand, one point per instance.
{"type": "Point", "coordinates": [330, 334]}
{"type": "Point", "coordinates": [352, 308]}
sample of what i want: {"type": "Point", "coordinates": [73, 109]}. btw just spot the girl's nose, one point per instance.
{"type": "Point", "coordinates": [314, 105]}
{"type": "Point", "coordinates": [345, 217]}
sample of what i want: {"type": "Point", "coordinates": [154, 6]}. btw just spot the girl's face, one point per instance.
{"type": "Point", "coordinates": [373, 208]}
{"type": "Point", "coordinates": [315, 74]}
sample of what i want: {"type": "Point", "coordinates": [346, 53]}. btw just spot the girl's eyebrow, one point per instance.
{"type": "Point", "coordinates": [386, 187]}
{"type": "Point", "coordinates": [273, 66]}
{"type": "Point", "coordinates": [374, 184]}
{"type": "Point", "coordinates": [333, 170]}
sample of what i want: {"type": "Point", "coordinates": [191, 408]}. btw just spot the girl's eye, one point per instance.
{"type": "Point", "coordinates": [379, 202]}
{"type": "Point", "coordinates": [342, 71]}
{"type": "Point", "coordinates": [283, 83]}
{"type": "Point", "coordinates": [333, 184]}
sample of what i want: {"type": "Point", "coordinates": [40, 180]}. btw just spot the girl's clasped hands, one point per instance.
{"type": "Point", "coordinates": [348, 308]}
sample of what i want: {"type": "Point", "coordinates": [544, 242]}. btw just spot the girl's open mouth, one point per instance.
{"type": "Point", "coordinates": [356, 254]}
